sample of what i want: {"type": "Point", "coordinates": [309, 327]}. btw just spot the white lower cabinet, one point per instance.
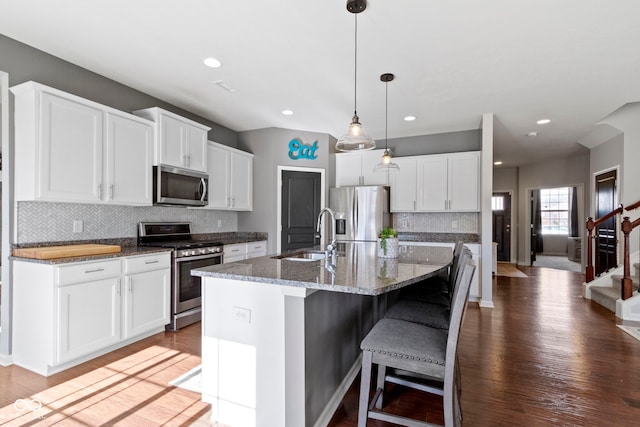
{"type": "Point", "coordinates": [242, 251]}
{"type": "Point", "coordinates": [147, 287]}
{"type": "Point", "coordinates": [66, 314]}
{"type": "Point", "coordinates": [88, 318]}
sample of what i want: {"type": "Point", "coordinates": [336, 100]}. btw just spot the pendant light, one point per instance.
{"type": "Point", "coordinates": [386, 164]}
{"type": "Point", "coordinates": [355, 139]}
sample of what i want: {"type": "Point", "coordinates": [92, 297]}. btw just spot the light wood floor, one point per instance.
{"type": "Point", "coordinates": [544, 356]}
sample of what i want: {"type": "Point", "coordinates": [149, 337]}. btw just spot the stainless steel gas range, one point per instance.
{"type": "Point", "coordinates": [187, 254]}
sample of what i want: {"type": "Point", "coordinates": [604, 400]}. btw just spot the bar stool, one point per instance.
{"type": "Point", "coordinates": [418, 349]}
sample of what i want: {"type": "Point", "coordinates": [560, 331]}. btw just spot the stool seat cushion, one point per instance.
{"type": "Point", "coordinates": [416, 347]}
{"type": "Point", "coordinates": [432, 315]}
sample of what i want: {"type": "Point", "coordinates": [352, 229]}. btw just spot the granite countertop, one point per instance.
{"type": "Point", "coordinates": [129, 246]}
{"type": "Point", "coordinates": [356, 270]}
{"type": "Point", "coordinates": [125, 251]}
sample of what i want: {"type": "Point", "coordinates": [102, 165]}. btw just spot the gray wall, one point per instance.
{"type": "Point", "coordinates": [565, 172]}
{"type": "Point", "coordinates": [271, 149]}
{"type": "Point", "coordinates": [449, 142]}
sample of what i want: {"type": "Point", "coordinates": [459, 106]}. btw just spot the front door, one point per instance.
{"type": "Point", "coordinates": [606, 239]}
{"type": "Point", "coordinates": [501, 208]}
{"type": "Point", "coordinates": [300, 208]}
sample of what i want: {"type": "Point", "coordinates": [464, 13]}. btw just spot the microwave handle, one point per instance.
{"type": "Point", "coordinates": [203, 184]}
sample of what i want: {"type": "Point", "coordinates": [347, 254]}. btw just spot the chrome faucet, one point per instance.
{"type": "Point", "coordinates": [332, 245]}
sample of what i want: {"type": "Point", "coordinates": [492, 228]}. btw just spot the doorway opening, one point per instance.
{"type": "Point", "coordinates": [606, 237]}
{"type": "Point", "coordinates": [301, 196]}
{"type": "Point", "coordinates": [501, 211]}
{"type": "Point", "coordinates": [556, 222]}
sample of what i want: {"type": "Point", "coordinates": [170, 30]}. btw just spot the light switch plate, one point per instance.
{"type": "Point", "coordinates": [77, 226]}
{"type": "Point", "coordinates": [242, 314]}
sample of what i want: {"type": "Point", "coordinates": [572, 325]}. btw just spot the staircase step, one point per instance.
{"type": "Point", "coordinates": [616, 280]}
{"type": "Point", "coordinates": [605, 296]}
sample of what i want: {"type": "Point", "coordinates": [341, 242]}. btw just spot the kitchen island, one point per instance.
{"type": "Point", "coordinates": [281, 335]}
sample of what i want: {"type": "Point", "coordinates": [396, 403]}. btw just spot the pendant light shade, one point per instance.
{"type": "Point", "coordinates": [355, 139]}
{"type": "Point", "coordinates": [386, 164]}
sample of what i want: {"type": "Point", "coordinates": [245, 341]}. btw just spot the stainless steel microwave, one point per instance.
{"type": "Point", "coordinates": [177, 186]}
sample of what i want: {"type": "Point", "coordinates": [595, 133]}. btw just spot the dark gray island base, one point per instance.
{"type": "Point", "coordinates": [281, 337]}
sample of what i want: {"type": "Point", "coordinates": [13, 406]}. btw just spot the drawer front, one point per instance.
{"type": "Point", "coordinates": [257, 248]}
{"type": "Point", "coordinates": [234, 251]}
{"type": "Point", "coordinates": [87, 272]}
{"type": "Point", "coordinates": [141, 263]}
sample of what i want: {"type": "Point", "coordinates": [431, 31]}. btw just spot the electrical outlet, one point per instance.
{"type": "Point", "coordinates": [219, 223]}
{"type": "Point", "coordinates": [404, 223]}
{"type": "Point", "coordinates": [454, 224]}
{"type": "Point", "coordinates": [77, 226]}
{"type": "Point", "coordinates": [242, 314]}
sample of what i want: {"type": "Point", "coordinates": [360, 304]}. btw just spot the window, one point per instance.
{"type": "Point", "coordinates": [497, 203]}
{"type": "Point", "coordinates": [554, 210]}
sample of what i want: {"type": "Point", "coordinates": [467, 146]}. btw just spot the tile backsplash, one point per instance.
{"type": "Point", "coordinates": [440, 222]}
{"type": "Point", "coordinates": [53, 222]}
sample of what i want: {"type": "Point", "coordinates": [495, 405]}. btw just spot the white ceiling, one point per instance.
{"type": "Point", "coordinates": [572, 61]}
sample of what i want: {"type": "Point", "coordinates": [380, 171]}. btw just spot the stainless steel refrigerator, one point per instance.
{"type": "Point", "coordinates": [360, 211]}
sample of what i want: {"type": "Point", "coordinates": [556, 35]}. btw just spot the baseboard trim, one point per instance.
{"type": "Point", "coordinates": [336, 399]}
{"type": "Point", "coordinates": [6, 360]}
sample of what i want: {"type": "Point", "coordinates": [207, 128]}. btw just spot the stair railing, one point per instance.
{"type": "Point", "coordinates": [627, 227]}
{"type": "Point", "coordinates": [591, 225]}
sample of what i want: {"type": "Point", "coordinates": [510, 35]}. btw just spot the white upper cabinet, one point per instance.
{"type": "Point", "coordinates": [436, 183]}
{"type": "Point", "coordinates": [178, 141]}
{"type": "Point", "coordinates": [69, 149]}
{"type": "Point", "coordinates": [403, 185]}
{"type": "Point", "coordinates": [357, 169]}
{"type": "Point", "coordinates": [230, 178]}
{"type": "Point", "coordinates": [128, 155]}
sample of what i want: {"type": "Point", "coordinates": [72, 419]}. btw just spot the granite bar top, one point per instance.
{"type": "Point", "coordinates": [356, 269]}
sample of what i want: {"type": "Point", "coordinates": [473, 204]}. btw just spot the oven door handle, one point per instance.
{"type": "Point", "coordinates": [195, 258]}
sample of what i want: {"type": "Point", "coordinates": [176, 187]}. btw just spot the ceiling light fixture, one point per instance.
{"type": "Point", "coordinates": [532, 133]}
{"type": "Point", "coordinates": [355, 139]}
{"type": "Point", "coordinates": [409, 118]}
{"type": "Point", "coordinates": [498, 163]}
{"type": "Point", "coordinates": [386, 164]}
{"type": "Point", "coordinates": [543, 121]}
{"type": "Point", "coordinates": [212, 62]}
{"type": "Point", "coordinates": [287, 112]}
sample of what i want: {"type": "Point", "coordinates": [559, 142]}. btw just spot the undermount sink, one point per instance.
{"type": "Point", "coordinates": [302, 256]}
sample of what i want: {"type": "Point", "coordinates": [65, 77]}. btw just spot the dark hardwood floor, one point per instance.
{"type": "Point", "coordinates": [544, 356]}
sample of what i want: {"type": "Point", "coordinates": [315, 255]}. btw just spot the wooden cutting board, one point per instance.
{"type": "Point", "coordinates": [51, 252]}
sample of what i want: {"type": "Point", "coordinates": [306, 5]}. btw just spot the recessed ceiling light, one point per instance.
{"type": "Point", "coordinates": [212, 62]}
{"type": "Point", "coordinates": [497, 163]}
{"type": "Point", "coordinates": [532, 133]}
{"type": "Point", "coordinates": [287, 112]}
{"type": "Point", "coordinates": [543, 121]}
{"type": "Point", "coordinates": [409, 118]}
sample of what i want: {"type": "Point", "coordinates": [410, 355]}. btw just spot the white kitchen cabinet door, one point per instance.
{"type": "Point", "coordinates": [170, 146]}
{"type": "Point", "coordinates": [432, 183]}
{"type": "Point", "coordinates": [128, 159]}
{"type": "Point", "coordinates": [348, 169]}
{"type": "Point", "coordinates": [241, 181]}
{"type": "Point", "coordinates": [196, 148]}
{"type": "Point", "coordinates": [358, 169]}
{"type": "Point", "coordinates": [179, 141]}
{"type": "Point", "coordinates": [70, 151]}
{"type": "Point", "coordinates": [219, 164]}
{"type": "Point", "coordinates": [464, 182]}
{"type": "Point", "coordinates": [88, 318]}
{"type": "Point", "coordinates": [403, 185]}
{"type": "Point", "coordinates": [369, 175]}
{"type": "Point", "coordinates": [230, 178]}
{"type": "Point", "coordinates": [146, 301]}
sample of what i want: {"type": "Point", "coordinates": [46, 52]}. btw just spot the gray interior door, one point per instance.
{"type": "Point", "coordinates": [606, 239]}
{"type": "Point", "coordinates": [502, 225]}
{"type": "Point", "coordinates": [300, 208]}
